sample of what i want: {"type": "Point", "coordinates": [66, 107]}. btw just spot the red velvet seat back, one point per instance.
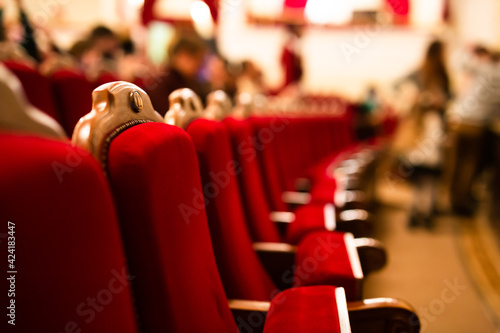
{"type": "Point", "coordinates": [38, 88]}
{"type": "Point", "coordinates": [71, 271]}
{"type": "Point", "coordinates": [73, 94]}
{"type": "Point", "coordinates": [154, 176]}
{"type": "Point", "coordinates": [272, 181]}
{"type": "Point", "coordinates": [255, 204]}
{"type": "Point", "coordinates": [241, 271]}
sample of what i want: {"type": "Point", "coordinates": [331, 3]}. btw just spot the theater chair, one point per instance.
{"type": "Point", "coordinates": [72, 92]}
{"type": "Point", "coordinates": [257, 212]}
{"type": "Point", "coordinates": [325, 191]}
{"type": "Point", "coordinates": [38, 88]}
{"type": "Point", "coordinates": [228, 224]}
{"type": "Point", "coordinates": [153, 172]}
{"type": "Point", "coordinates": [67, 270]}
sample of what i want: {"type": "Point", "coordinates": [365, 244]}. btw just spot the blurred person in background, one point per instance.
{"type": "Point", "coordinates": [471, 118]}
{"type": "Point", "coordinates": [220, 75]}
{"type": "Point", "coordinates": [291, 61]}
{"type": "Point", "coordinates": [250, 79]}
{"type": "Point", "coordinates": [422, 133]}
{"type": "Point", "coordinates": [98, 53]}
{"type": "Point", "coordinates": [185, 60]}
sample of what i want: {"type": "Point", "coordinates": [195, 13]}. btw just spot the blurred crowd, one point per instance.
{"type": "Point", "coordinates": [446, 142]}
{"type": "Point", "coordinates": [104, 55]}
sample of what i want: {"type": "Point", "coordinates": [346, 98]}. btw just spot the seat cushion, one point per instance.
{"type": "Point", "coordinates": [319, 309]}
{"type": "Point", "coordinates": [309, 218]}
{"type": "Point", "coordinates": [329, 258]}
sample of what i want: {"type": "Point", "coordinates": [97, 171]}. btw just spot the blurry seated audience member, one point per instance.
{"type": "Point", "coordinates": [471, 116]}
{"type": "Point", "coordinates": [98, 53]}
{"type": "Point", "coordinates": [220, 76]}
{"type": "Point", "coordinates": [421, 135]}
{"type": "Point", "coordinates": [290, 57]}
{"type": "Point", "coordinates": [185, 59]}
{"type": "Point", "coordinates": [250, 80]}
{"type": "Point", "coordinates": [131, 65]}
{"type": "Point", "coordinates": [55, 59]}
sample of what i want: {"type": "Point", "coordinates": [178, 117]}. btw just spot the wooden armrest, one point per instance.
{"type": "Point", "coordinates": [282, 220]}
{"type": "Point", "coordinates": [282, 217]}
{"type": "Point", "coordinates": [384, 315]}
{"type": "Point", "coordinates": [372, 254]}
{"type": "Point", "coordinates": [278, 260]}
{"type": "Point", "coordinates": [249, 316]}
{"type": "Point", "coordinates": [295, 198]}
{"type": "Point", "coordinates": [355, 221]}
{"type": "Point", "coordinates": [350, 199]}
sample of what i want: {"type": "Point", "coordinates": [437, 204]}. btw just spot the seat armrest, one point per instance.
{"type": "Point", "coordinates": [356, 221]}
{"type": "Point", "coordinates": [372, 254]}
{"type": "Point", "coordinates": [350, 199]}
{"type": "Point", "coordinates": [278, 259]}
{"type": "Point", "coordinates": [382, 315]}
{"type": "Point", "coordinates": [283, 217]}
{"type": "Point", "coordinates": [249, 316]}
{"type": "Point", "coordinates": [295, 198]}
{"type": "Point", "coordinates": [282, 220]}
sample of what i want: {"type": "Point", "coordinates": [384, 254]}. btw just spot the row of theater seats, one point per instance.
{"type": "Point", "coordinates": [65, 95]}
{"type": "Point", "coordinates": [193, 226]}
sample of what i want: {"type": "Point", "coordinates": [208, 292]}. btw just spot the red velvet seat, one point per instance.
{"type": "Point", "coordinates": [72, 92]}
{"type": "Point", "coordinates": [302, 148]}
{"type": "Point", "coordinates": [320, 311]}
{"type": "Point", "coordinates": [166, 235]}
{"type": "Point", "coordinates": [310, 217]}
{"type": "Point", "coordinates": [241, 272]}
{"type": "Point", "coordinates": [153, 172]}
{"type": "Point", "coordinates": [71, 270]}
{"type": "Point", "coordinates": [232, 242]}
{"type": "Point", "coordinates": [38, 88]}
{"type": "Point", "coordinates": [252, 192]}
{"type": "Point", "coordinates": [269, 170]}
{"type": "Point", "coordinates": [165, 231]}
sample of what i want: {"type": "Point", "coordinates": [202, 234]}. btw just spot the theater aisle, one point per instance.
{"type": "Point", "coordinates": [449, 274]}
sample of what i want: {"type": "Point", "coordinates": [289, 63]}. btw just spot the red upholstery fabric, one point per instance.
{"type": "Point", "coordinates": [73, 94]}
{"type": "Point", "coordinates": [308, 218]}
{"type": "Point", "coordinates": [154, 177]}
{"type": "Point", "coordinates": [68, 248]}
{"type": "Point", "coordinates": [267, 159]}
{"type": "Point", "coordinates": [304, 147]}
{"type": "Point", "coordinates": [256, 206]}
{"type": "Point", "coordinates": [38, 88]}
{"type": "Point", "coordinates": [322, 259]}
{"type": "Point", "coordinates": [323, 190]}
{"type": "Point", "coordinates": [241, 271]}
{"type": "Point", "coordinates": [304, 310]}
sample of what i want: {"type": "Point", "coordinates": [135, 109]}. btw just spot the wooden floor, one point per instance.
{"type": "Point", "coordinates": [450, 274]}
